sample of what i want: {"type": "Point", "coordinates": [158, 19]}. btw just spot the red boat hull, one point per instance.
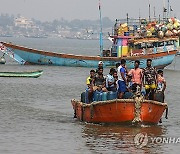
{"type": "Point", "coordinates": [118, 111]}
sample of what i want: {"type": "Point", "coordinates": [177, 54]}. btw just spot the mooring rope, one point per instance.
{"type": "Point", "coordinates": [137, 108]}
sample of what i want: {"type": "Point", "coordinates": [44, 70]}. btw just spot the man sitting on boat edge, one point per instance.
{"type": "Point", "coordinates": [97, 84]}
{"type": "Point", "coordinates": [90, 78]}
{"type": "Point", "coordinates": [89, 82]}
{"type": "Point", "coordinates": [111, 80]}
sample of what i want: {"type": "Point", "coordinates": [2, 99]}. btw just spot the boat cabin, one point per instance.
{"type": "Point", "coordinates": [135, 37]}
{"type": "Point", "coordinates": [125, 46]}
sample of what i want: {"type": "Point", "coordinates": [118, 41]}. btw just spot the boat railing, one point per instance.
{"type": "Point", "coordinates": [139, 51]}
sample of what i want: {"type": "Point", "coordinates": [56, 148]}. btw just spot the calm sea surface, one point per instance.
{"type": "Point", "coordinates": [36, 115]}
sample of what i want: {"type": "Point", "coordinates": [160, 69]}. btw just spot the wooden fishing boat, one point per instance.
{"type": "Point", "coordinates": [128, 42]}
{"type": "Point", "coordinates": [119, 111]}
{"type": "Point", "coordinates": [24, 55]}
{"type": "Point", "coordinates": [29, 74]}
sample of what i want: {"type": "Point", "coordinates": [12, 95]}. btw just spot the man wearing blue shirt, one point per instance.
{"type": "Point", "coordinates": [110, 81]}
{"type": "Point", "coordinates": [122, 81]}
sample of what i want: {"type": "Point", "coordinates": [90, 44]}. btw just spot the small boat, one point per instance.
{"type": "Point", "coordinates": [119, 111]}
{"type": "Point", "coordinates": [6, 35]}
{"type": "Point", "coordinates": [36, 36]}
{"type": "Point", "coordinates": [28, 74]}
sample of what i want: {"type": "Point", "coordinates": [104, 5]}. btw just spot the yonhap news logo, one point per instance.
{"type": "Point", "coordinates": [142, 139]}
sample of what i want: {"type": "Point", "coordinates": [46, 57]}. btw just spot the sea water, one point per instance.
{"type": "Point", "coordinates": [36, 115]}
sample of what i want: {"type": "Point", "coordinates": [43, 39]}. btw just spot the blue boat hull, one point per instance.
{"type": "Point", "coordinates": [31, 56]}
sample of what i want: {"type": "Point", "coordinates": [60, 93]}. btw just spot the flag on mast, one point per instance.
{"type": "Point", "coordinates": [171, 9]}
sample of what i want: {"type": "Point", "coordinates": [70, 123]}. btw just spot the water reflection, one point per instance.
{"type": "Point", "coordinates": [113, 138]}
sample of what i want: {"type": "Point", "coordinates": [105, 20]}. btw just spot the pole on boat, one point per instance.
{"type": "Point", "coordinates": [149, 11]}
{"type": "Point", "coordinates": [168, 10]}
{"type": "Point", "coordinates": [171, 11]}
{"type": "Point", "coordinates": [164, 11]}
{"type": "Point", "coordinates": [127, 18]}
{"type": "Point", "coordinates": [101, 34]}
{"type": "Point", "coordinates": [154, 12]}
{"type": "Point", "coordinates": [139, 17]}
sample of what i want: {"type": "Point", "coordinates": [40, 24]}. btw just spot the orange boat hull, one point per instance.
{"type": "Point", "coordinates": [118, 111]}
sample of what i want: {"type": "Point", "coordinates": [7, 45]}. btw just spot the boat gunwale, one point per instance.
{"type": "Point", "coordinates": [25, 72]}
{"type": "Point", "coordinates": [118, 101]}
{"type": "Point", "coordinates": [82, 57]}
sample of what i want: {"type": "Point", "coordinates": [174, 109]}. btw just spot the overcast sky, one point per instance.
{"type": "Point", "coordinates": [48, 10]}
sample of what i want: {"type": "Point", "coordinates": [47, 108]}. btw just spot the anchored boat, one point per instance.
{"type": "Point", "coordinates": [25, 55]}
{"type": "Point", "coordinates": [29, 74]}
{"type": "Point", "coordinates": [119, 111]}
{"type": "Point", "coordinates": [132, 40]}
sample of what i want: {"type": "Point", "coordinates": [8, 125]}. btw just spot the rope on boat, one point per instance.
{"type": "Point", "coordinates": [119, 101]}
{"type": "Point", "coordinates": [91, 110]}
{"type": "Point", "coordinates": [137, 108]}
{"type": "Point", "coordinates": [116, 104]}
{"type": "Point", "coordinates": [82, 112]}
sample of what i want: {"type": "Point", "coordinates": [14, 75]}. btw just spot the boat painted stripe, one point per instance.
{"type": "Point", "coordinates": [81, 57]}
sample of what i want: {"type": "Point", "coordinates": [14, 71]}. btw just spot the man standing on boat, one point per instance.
{"type": "Point", "coordinates": [150, 80]}
{"type": "Point", "coordinates": [137, 75]}
{"type": "Point", "coordinates": [117, 65]}
{"type": "Point", "coordinates": [122, 81]}
{"type": "Point", "coordinates": [161, 85]}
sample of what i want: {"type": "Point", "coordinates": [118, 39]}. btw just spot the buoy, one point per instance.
{"type": "Point", "coordinates": [149, 34]}
{"type": "Point", "coordinates": [168, 33]}
{"type": "Point", "coordinates": [175, 32]}
{"type": "Point", "coordinates": [160, 34]}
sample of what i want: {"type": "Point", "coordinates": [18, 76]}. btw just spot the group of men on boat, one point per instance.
{"type": "Point", "coordinates": [125, 82]}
